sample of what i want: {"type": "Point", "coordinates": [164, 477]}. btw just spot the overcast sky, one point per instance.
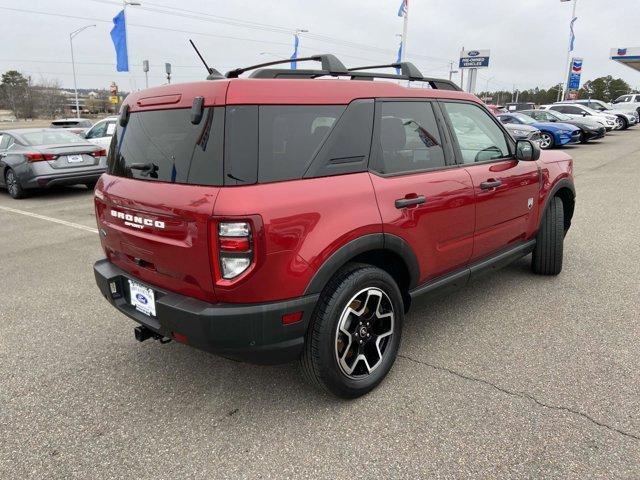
{"type": "Point", "coordinates": [528, 38]}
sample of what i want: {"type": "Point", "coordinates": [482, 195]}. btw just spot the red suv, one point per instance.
{"type": "Point", "coordinates": [297, 214]}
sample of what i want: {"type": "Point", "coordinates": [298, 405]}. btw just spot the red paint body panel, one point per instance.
{"type": "Point", "coordinates": [509, 213]}
{"type": "Point", "coordinates": [176, 257]}
{"type": "Point", "coordinates": [440, 231]}
{"type": "Point", "coordinates": [304, 222]}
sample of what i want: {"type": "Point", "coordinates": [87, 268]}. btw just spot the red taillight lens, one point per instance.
{"type": "Point", "coordinates": [99, 153]}
{"type": "Point", "coordinates": [39, 157]}
{"type": "Point", "coordinates": [232, 244]}
{"type": "Point", "coordinates": [232, 248]}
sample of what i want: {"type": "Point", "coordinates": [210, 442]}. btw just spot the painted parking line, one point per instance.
{"type": "Point", "coordinates": [50, 219]}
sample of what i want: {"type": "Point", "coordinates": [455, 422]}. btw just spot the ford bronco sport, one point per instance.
{"type": "Point", "coordinates": [297, 214]}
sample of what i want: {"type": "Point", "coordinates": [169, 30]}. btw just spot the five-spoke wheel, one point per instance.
{"type": "Point", "coordinates": [354, 334]}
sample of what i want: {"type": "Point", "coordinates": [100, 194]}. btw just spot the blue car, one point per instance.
{"type": "Point", "coordinates": [551, 134]}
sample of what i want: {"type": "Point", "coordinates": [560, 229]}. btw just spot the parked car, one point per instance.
{"type": "Point", "coordinates": [524, 132]}
{"type": "Point", "coordinates": [628, 102]}
{"type": "Point", "coordinates": [515, 107]}
{"type": "Point", "coordinates": [625, 118]}
{"type": "Point", "coordinates": [589, 130]}
{"type": "Point", "coordinates": [551, 134]}
{"type": "Point", "coordinates": [33, 158]}
{"type": "Point", "coordinates": [75, 125]}
{"type": "Point", "coordinates": [101, 132]}
{"type": "Point", "coordinates": [518, 132]}
{"type": "Point", "coordinates": [580, 111]}
{"type": "Point", "coordinates": [281, 217]}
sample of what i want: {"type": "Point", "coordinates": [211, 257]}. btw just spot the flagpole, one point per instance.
{"type": "Point", "coordinates": [567, 64]}
{"type": "Point", "coordinates": [405, 26]}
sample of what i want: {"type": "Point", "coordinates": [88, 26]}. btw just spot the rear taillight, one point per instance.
{"type": "Point", "coordinates": [39, 157]}
{"type": "Point", "coordinates": [234, 247]}
{"type": "Point", "coordinates": [99, 153]}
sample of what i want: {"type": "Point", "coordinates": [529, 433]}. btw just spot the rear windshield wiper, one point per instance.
{"type": "Point", "coordinates": [143, 166]}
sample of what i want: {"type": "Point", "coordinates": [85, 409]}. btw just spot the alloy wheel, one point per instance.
{"type": "Point", "coordinates": [364, 332]}
{"type": "Point", "coordinates": [545, 141]}
{"type": "Point", "coordinates": [12, 183]}
{"type": "Point", "coordinates": [619, 123]}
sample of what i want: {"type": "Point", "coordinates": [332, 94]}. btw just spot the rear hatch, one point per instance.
{"type": "Point", "coordinates": [156, 199]}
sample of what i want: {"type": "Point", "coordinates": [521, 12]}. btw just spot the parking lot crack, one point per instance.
{"type": "Point", "coordinates": [523, 395]}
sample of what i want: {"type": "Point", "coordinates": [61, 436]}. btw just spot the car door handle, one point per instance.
{"type": "Point", "coordinates": [489, 184]}
{"type": "Point", "coordinates": [408, 202]}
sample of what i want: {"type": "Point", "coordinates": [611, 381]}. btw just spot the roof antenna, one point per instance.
{"type": "Point", "coordinates": [213, 73]}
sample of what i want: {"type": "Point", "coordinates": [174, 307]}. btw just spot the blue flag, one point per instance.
{"type": "Point", "coordinates": [119, 37]}
{"type": "Point", "coordinates": [402, 11]}
{"type": "Point", "coordinates": [573, 35]}
{"type": "Point", "coordinates": [296, 41]}
{"type": "Point", "coordinates": [399, 58]}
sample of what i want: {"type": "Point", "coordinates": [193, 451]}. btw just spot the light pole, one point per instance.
{"type": "Point", "coordinates": [567, 64]}
{"type": "Point", "coordinates": [73, 65]}
{"type": "Point", "coordinates": [125, 4]}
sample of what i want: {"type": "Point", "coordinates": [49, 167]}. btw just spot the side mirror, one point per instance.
{"type": "Point", "coordinates": [584, 114]}
{"type": "Point", "coordinates": [527, 151]}
{"type": "Point", "coordinates": [553, 119]}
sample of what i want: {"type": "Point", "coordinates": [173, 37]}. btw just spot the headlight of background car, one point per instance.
{"type": "Point", "coordinates": [520, 132]}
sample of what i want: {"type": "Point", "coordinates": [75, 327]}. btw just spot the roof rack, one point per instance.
{"type": "Point", "coordinates": [330, 64]}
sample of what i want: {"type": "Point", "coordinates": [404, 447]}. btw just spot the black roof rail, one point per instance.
{"type": "Point", "coordinates": [330, 64]}
{"type": "Point", "coordinates": [407, 69]}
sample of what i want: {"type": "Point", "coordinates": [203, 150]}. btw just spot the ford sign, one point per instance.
{"type": "Point", "coordinates": [473, 53]}
{"type": "Point", "coordinates": [141, 298]}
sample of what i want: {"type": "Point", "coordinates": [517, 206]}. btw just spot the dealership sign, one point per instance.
{"type": "Point", "coordinates": [575, 73]}
{"type": "Point", "coordinates": [474, 58]}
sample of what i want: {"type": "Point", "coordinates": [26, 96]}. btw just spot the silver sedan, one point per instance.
{"type": "Point", "coordinates": [43, 157]}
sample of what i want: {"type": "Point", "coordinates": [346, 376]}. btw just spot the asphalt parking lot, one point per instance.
{"type": "Point", "coordinates": [515, 376]}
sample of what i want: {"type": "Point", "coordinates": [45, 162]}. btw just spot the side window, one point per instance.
{"type": "Point", "coordinates": [10, 142]}
{"type": "Point", "coordinates": [98, 130]}
{"type": "Point", "coordinates": [3, 141]}
{"type": "Point", "coordinates": [478, 136]}
{"type": "Point", "coordinates": [409, 138]}
{"type": "Point", "coordinates": [507, 119]}
{"type": "Point", "coordinates": [289, 137]}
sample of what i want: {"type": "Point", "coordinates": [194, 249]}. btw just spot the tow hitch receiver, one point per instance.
{"type": "Point", "coordinates": [143, 333]}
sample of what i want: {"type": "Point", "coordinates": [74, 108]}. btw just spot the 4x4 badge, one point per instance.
{"type": "Point", "coordinates": [530, 203]}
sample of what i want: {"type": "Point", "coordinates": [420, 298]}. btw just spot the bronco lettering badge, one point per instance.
{"type": "Point", "coordinates": [136, 221]}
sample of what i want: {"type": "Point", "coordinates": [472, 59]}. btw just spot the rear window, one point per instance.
{"type": "Point", "coordinates": [51, 137]}
{"type": "Point", "coordinates": [64, 123]}
{"type": "Point", "coordinates": [164, 146]}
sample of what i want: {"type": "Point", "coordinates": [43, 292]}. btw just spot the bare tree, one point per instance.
{"type": "Point", "coordinates": [49, 100]}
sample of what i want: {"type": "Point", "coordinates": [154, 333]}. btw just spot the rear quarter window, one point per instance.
{"type": "Point", "coordinates": [289, 137]}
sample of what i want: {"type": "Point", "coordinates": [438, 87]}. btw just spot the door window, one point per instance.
{"type": "Point", "coordinates": [479, 137]}
{"type": "Point", "coordinates": [98, 130]}
{"type": "Point", "coordinates": [409, 138]}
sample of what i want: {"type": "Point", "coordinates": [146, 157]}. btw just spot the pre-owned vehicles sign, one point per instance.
{"type": "Point", "coordinates": [474, 58]}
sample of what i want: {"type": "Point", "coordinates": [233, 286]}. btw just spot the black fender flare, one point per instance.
{"type": "Point", "coordinates": [562, 183]}
{"type": "Point", "coordinates": [366, 243]}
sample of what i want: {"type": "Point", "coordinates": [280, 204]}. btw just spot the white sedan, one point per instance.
{"type": "Point", "coordinates": [102, 131]}
{"type": "Point", "coordinates": [575, 110]}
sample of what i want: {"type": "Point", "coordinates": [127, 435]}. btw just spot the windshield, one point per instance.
{"type": "Point", "coordinates": [559, 115]}
{"type": "Point", "coordinates": [591, 110]}
{"type": "Point", "coordinates": [51, 137]}
{"type": "Point", "coordinates": [524, 118]}
{"type": "Point", "coordinates": [597, 105]}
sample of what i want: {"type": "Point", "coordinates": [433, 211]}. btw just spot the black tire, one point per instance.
{"type": "Point", "coordinates": [13, 185]}
{"type": "Point", "coordinates": [625, 123]}
{"type": "Point", "coordinates": [548, 252]}
{"type": "Point", "coordinates": [319, 361]}
{"type": "Point", "coordinates": [547, 141]}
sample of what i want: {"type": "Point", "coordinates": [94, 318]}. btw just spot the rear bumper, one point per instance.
{"type": "Point", "coordinates": [248, 332]}
{"type": "Point", "coordinates": [57, 179]}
